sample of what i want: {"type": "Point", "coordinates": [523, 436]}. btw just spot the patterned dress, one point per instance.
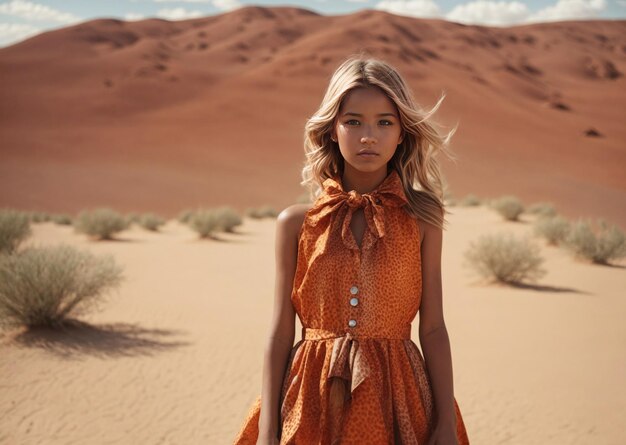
{"type": "Point", "coordinates": [356, 377]}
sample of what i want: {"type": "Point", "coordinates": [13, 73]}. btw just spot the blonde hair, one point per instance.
{"type": "Point", "coordinates": [414, 159]}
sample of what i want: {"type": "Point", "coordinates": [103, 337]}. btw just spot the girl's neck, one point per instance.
{"type": "Point", "coordinates": [362, 182]}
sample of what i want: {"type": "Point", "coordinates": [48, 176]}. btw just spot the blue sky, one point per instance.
{"type": "Point", "coordinates": [20, 19]}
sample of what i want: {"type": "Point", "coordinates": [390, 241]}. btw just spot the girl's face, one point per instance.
{"type": "Point", "coordinates": [367, 120]}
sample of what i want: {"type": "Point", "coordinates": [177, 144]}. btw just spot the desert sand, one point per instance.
{"type": "Point", "coordinates": [175, 355]}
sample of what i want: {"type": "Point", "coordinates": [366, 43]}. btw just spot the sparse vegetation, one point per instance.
{"type": "Point", "coordinates": [504, 258]}
{"type": "Point", "coordinates": [261, 212]}
{"type": "Point", "coordinates": [132, 218]}
{"type": "Point", "coordinates": [509, 206]}
{"type": "Point", "coordinates": [470, 200]}
{"type": "Point", "coordinates": [542, 209]}
{"type": "Point", "coordinates": [38, 217]}
{"type": "Point", "coordinates": [600, 246]}
{"type": "Point", "coordinates": [14, 229]}
{"type": "Point", "coordinates": [151, 221]}
{"type": "Point", "coordinates": [62, 219]}
{"type": "Point", "coordinates": [228, 218]}
{"type": "Point", "coordinates": [100, 223]}
{"type": "Point", "coordinates": [205, 222]}
{"type": "Point", "coordinates": [553, 228]}
{"type": "Point", "coordinates": [43, 286]}
{"type": "Point", "coordinates": [185, 216]}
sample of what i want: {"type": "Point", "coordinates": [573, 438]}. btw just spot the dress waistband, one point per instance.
{"type": "Point", "coordinates": [323, 334]}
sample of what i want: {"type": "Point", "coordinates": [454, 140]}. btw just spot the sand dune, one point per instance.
{"type": "Point", "coordinates": [158, 115]}
{"type": "Point", "coordinates": [175, 356]}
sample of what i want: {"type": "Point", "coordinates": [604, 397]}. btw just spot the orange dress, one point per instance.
{"type": "Point", "coordinates": [356, 377]}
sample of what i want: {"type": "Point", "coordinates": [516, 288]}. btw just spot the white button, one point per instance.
{"type": "Point", "coordinates": [354, 290]}
{"type": "Point", "coordinates": [354, 301]}
{"type": "Point", "coordinates": [352, 323]}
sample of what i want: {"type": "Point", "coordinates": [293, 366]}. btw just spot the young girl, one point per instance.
{"type": "Point", "coordinates": [356, 267]}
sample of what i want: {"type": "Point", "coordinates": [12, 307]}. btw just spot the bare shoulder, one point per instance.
{"type": "Point", "coordinates": [428, 230]}
{"type": "Point", "coordinates": [291, 218]}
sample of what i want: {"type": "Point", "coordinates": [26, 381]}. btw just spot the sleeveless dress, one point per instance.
{"type": "Point", "coordinates": [356, 377]}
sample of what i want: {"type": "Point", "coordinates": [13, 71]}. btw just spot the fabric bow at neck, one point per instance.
{"type": "Point", "coordinates": [335, 200]}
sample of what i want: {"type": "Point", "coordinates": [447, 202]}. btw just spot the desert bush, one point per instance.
{"type": "Point", "coordinates": [267, 211]}
{"type": "Point", "coordinates": [510, 207]}
{"type": "Point", "coordinates": [62, 219]}
{"type": "Point", "coordinates": [470, 200]}
{"type": "Point", "coordinates": [151, 221]}
{"type": "Point", "coordinates": [542, 209]}
{"type": "Point", "coordinates": [205, 222]}
{"type": "Point", "coordinates": [37, 217]}
{"type": "Point", "coordinates": [600, 246]}
{"type": "Point", "coordinates": [228, 218]}
{"type": "Point", "coordinates": [101, 223]}
{"type": "Point", "coordinates": [43, 286]}
{"type": "Point", "coordinates": [553, 228]}
{"type": "Point", "coordinates": [185, 216]}
{"type": "Point", "coordinates": [504, 258]}
{"type": "Point", "coordinates": [252, 212]}
{"type": "Point", "coordinates": [132, 218]}
{"type": "Point", "coordinates": [14, 228]}
{"type": "Point", "coordinates": [261, 212]}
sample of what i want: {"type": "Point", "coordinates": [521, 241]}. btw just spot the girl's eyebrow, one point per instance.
{"type": "Point", "coordinates": [357, 114]}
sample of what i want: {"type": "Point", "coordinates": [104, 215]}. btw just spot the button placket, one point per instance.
{"type": "Point", "coordinates": [353, 302]}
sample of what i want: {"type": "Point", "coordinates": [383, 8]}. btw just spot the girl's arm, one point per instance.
{"type": "Point", "coordinates": [281, 334]}
{"type": "Point", "coordinates": [433, 334]}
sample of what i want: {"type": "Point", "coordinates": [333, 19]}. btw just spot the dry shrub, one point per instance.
{"type": "Point", "coordinates": [43, 286]}
{"type": "Point", "coordinates": [261, 212]}
{"type": "Point", "coordinates": [599, 246]}
{"type": "Point", "coordinates": [509, 206]}
{"type": "Point", "coordinates": [542, 209]}
{"type": "Point", "coordinates": [14, 229]}
{"type": "Point", "coordinates": [100, 223]}
{"type": "Point", "coordinates": [554, 229]}
{"type": "Point", "coordinates": [504, 258]}
{"type": "Point", "coordinates": [151, 221]}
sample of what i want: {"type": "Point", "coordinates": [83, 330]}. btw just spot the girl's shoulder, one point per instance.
{"type": "Point", "coordinates": [294, 217]}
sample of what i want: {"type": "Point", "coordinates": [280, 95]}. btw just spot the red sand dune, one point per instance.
{"type": "Point", "coordinates": [158, 115]}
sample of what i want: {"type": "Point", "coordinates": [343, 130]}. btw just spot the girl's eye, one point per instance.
{"type": "Point", "coordinates": [384, 120]}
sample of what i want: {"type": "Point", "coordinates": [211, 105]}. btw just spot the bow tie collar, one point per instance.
{"type": "Point", "coordinates": [334, 200]}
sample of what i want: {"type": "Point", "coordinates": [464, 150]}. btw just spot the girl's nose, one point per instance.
{"type": "Point", "coordinates": [367, 139]}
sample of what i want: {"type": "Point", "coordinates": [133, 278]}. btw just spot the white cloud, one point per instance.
{"type": "Point", "coordinates": [497, 13]}
{"type": "Point", "coordinates": [34, 11]}
{"type": "Point", "coordinates": [226, 5]}
{"type": "Point", "coordinates": [223, 5]}
{"type": "Point", "coordinates": [134, 16]}
{"type": "Point", "coordinates": [13, 32]}
{"type": "Point", "coordinates": [412, 8]}
{"type": "Point", "coordinates": [178, 14]}
{"type": "Point", "coordinates": [489, 13]}
{"type": "Point", "coordinates": [569, 10]}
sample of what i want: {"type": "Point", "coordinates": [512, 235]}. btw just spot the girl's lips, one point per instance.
{"type": "Point", "coordinates": [367, 154]}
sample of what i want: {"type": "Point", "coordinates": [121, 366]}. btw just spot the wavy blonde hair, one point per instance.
{"type": "Point", "coordinates": [414, 159]}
